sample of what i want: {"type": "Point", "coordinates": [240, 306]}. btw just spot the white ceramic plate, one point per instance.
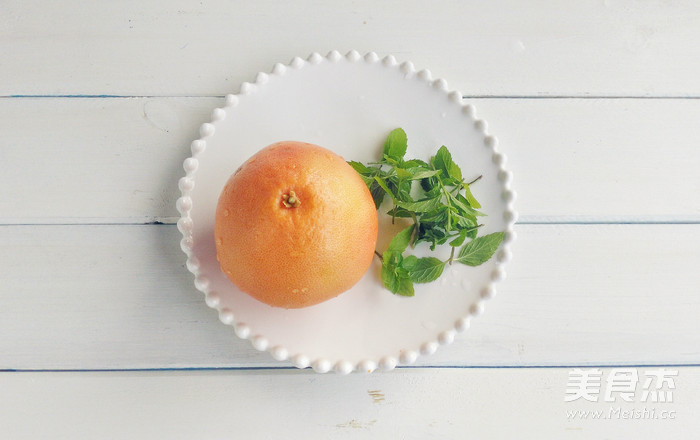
{"type": "Point", "coordinates": [348, 104]}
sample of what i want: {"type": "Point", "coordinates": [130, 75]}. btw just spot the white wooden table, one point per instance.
{"type": "Point", "coordinates": [102, 334]}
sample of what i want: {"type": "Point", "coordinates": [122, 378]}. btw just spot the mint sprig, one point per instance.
{"type": "Point", "coordinates": [441, 205]}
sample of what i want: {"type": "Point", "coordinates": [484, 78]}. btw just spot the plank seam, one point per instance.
{"type": "Point", "coordinates": [543, 97]}
{"type": "Point", "coordinates": [519, 223]}
{"type": "Point", "coordinates": [400, 367]}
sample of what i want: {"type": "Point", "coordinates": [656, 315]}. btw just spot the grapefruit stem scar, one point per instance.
{"type": "Point", "coordinates": [291, 200]}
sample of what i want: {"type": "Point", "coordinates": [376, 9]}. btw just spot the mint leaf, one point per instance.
{"type": "Point", "coordinates": [470, 197]}
{"type": "Point", "coordinates": [461, 203]}
{"type": "Point", "coordinates": [437, 216]}
{"type": "Point", "coordinates": [459, 239]}
{"type": "Point", "coordinates": [430, 184]}
{"type": "Point", "coordinates": [432, 234]}
{"type": "Point", "coordinates": [405, 287]}
{"type": "Point", "coordinates": [443, 162]}
{"type": "Point", "coordinates": [469, 226]}
{"type": "Point", "coordinates": [395, 162]}
{"type": "Point", "coordinates": [420, 173]}
{"type": "Point", "coordinates": [382, 183]}
{"type": "Point", "coordinates": [403, 173]}
{"type": "Point", "coordinates": [377, 193]}
{"type": "Point", "coordinates": [401, 240]}
{"type": "Point", "coordinates": [395, 274]}
{"type": "Point", "coordinates": [409, 263]}
{"type": "Point", "coordinates": [480, 249]}
{"type": "Point", "coordinates": [366, 174]}
{"type": "Point", "coordinates": [390, 262]}
{"type": "Point", "coordinates": [389, 279]}
{"type": "Point", "coordinates": [415, 173]}
{"type": "Point", "coordinates": [423, 205]}
{"type": "Point", "coordinates": [427, 269]}
{"type": "Point", "coordinates": [415, 163]}
{"type": "Point", "coordinates": [368, 180]}
{"type": "Point", "coordinates": [396, 144]}
{"type": "Point", "coordinates": [399, 212]}
{"type": "Point", "coordinates": [402, 189]}
{"type": "Point", "coordinates": [360, 167]}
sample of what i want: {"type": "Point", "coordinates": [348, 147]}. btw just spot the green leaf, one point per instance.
{"type": "Point", "coordinates": [423, 205]}
{"type": "Point", "coordinates": [360, 167]}
{"type": "Point", "coordinates": [400, 271]}
{"type": "Point", "coordinates": [377, 193]}
{"type": "Point", "coordinates": [462, 204]}
{"type": "Point", "coordinates": [431, 234]}
{"type": "Point", "coordinates": [469, 225]}
{"type": "Point", "coordinates": [399, 212]}
{"type": "Point", "coordinates": [420, 173]}
{"type": "Point", "coordinates": [405, 287]}
{"type": "Point", "coordinates": [389, 278]}
{"type": "Point", "coordinates": [443, 161]}
{"type": "Point", "coordinates": [391, 259]}
{"type": "Point", "coordinates": [479, 250]}
{"type": "Point", "coordinates": [415, 163]}
{"type": "Point", "coordinates": [402, 190]}
{"type": "Point", "coordinates": [382, 183]}
{"type": "Point", "coordinates": [409, 263]}
{"type": "Point", "coordinates": [395, 273]}
{"type": "Point", "coordinates": [396, 144]}
{"type": "Point", "coordinates": [436, 216]}
{"type": "Point", "coordinates": [459, 239]}
{"type": "Point", "coordinates": [390, 264]}
{"type": "Point", "coordinates": [430, 184]}
{"type": "Point", "coordinates": [401, 240]}
{"type": "Point", "coordinates": [368, 180]}
{"type": "Point", "coordinates": [403, 173]}
{"type": "Point", "coordinates": [432, 191]}
{"type": "Point", "coordinates": [470, 197]}
{"type": "Point", "coordinates": [427, 269]}
{"type": "Point", "coordinates": [394, 162]}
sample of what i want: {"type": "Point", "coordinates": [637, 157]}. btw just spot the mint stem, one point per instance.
{"type": "Point", "coordinates": [474, 180]}
{"type": "Point", "coordinates": [414, 232]}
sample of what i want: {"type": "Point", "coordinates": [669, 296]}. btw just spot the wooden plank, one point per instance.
{"type": "Point", "coordinates": [600, 160]}
{"type": "Point", "coordinates": [503, 47]}
{"type": "Point", "coordinates": [95, 160]}
{"type": "Point", "coordinates": [105, 297]}
{"type": "Point", "coordinates": [618, 160]}
{"type": "Point", "coordinates": [407, 404]}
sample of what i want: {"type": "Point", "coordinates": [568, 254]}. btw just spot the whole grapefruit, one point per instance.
{"type": "Point", "coordinates": [295, 225]}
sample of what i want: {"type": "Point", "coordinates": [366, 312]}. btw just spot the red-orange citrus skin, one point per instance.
{"type": "Point", "coordinates": [299, 251]}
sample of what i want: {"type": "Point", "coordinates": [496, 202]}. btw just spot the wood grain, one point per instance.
{"type": "Point", "coordinates": [117, 160]}
{"type": "Point", "coordinates": [415, 404]}
{"type": "Point", "coordinates": [119, 296]}
{"type": "Point", "coordinates": [508, 47]}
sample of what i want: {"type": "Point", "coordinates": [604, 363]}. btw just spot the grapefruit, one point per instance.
{"type": "Point", "coordinates": [295, 225]}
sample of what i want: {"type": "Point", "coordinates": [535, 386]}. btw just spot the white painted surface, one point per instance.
{"type": "Point", "coordinates": [79, 296]}
{"type": "Point", "coordinates": [406, 404]}
{"type": "Point", "coordinates": [504, 47]}
{"type": "Point", "coordinates": [101, 297]}
{"type": "Point", "coordinates": [612, 160]}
